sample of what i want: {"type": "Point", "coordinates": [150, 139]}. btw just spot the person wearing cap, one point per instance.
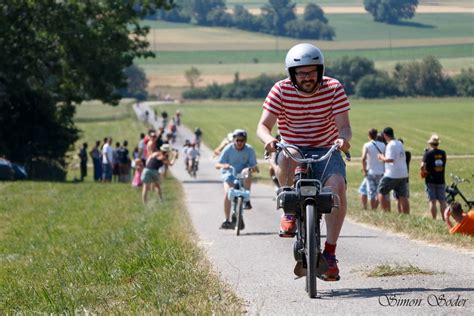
{"type": "Point", "coordinates": [151, 176]}
{"type": "Point", "coordinates": [242, 157]}
{"type": "Point", "coordinates": [433, 167]}
{"type": "Point", "coordinates": [395, 175]}
{"type": "Point", "coordinates": [312, 112]}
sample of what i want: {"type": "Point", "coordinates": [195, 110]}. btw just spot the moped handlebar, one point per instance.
{"type": "Point", "coordinates": [285, 147]}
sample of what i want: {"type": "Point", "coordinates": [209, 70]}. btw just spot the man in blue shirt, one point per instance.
{"type": "Point", "coordinates": [241, 156]}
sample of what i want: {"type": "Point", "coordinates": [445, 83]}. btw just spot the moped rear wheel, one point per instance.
{"type": "Point", "coordinates": [238, 214]}
{"type": "Point", "coordinates": [311, 251]}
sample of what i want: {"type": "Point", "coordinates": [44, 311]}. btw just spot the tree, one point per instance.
{"type": "Point", "coordinates": [275, 14]}
{"type": "Point", "coordinates": [136, 83]}
{"type": "Point", "coordinates": [391, 11]}
{"type": "Point", "coordinates": [200, 9]}
{"type": "Point", "coordinates": [349, 70]}
{"type": "Point", "coordinates": [465, 83]}
{"type": "Point", "coordinates": [377, 85]}
{"type": "Point", "coordinates": [423, 78]}
{"type": "Point", "coordinates": [314, 12]}
{"type": "Point", "coordinates": [242, 19]}
{"type": "Point", "coordinates": [192, 76]}
{"type": "Point", "coordinates": [54, 55]}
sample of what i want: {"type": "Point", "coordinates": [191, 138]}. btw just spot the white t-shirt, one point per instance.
{"type": "Point", "coordinates": [374, 165]}
{"type": "Point", "coordinates": [398, 168]}
{"type": "Point", "coordinates": [107, 150]}
{"type": "Point", "coordinates": [192, 153]}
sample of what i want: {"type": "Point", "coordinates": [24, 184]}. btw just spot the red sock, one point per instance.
{"type": "Point", "coordinates": [329, 248]}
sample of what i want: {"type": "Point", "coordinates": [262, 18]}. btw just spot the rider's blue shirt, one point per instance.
{"type": "Point", "coordinates": [239, 159]}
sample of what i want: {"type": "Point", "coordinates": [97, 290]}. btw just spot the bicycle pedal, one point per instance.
{"type": "Point", "coordinates": [286, 234]}
{"type": "Point", "coordinates": [329, 278]}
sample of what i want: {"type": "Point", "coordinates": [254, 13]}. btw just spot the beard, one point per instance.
{"type": "Point", "coordinates": [307, 86]}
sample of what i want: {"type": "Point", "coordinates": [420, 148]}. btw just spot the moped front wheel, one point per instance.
{"type": "Point", "coordinates": [311, 251]}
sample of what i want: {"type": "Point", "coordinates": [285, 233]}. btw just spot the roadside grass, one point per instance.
{"type": "Point", "coordinates": [96, 111]}
{"type": "Point", "coordinates": [70, 248]}
{"type": "Point", "coordinates": [412, 119]}
{"type": "Point", "coordinates": [390, 270]}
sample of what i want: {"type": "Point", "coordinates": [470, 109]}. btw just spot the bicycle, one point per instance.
{"type": "Point", "coordinates": [307, 200]}
{"type": "Point", "coordinates": [453, 190]}
{"type": "Point", "coordinates": [194, 168]}
{"type": "Point", "coordinates": [238, 195]}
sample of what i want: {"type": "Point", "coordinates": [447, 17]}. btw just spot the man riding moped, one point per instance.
{"type": "Point", "coordinates": [312, 112]}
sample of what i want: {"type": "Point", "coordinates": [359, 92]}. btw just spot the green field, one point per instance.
{"type": "Point", "coordinates": [219, 53]}
{"type": "Point", "coordinates": [413, 119]}
{"type": "Point", "coordinates": [275, 57]}
{"type": "Point", "coordinates": [89, 248]}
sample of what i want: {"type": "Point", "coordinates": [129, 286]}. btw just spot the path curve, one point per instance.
{"type": "Point", "coordinates": [258, 264]}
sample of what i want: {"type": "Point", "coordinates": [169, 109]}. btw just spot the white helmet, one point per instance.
{"type": "Point", "coordinates": [304, 54]}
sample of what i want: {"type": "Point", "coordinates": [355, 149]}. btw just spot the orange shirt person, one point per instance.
{"type": "Point", "coordinates": [464, 222]}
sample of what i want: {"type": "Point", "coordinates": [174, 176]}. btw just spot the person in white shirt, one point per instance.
{"type": "Point", "coordinates": [192, 155]}
{"type": "Point", "coordinates": [395, 175]}
{"type": "Point", "coordinates": [372, 167]}
{"type": "Point", "coordinates": [107, 160]}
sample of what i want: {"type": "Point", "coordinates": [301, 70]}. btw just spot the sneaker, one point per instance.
{"type": "Point", "coordinates": [226, 225]}
{"type": "Point", "coordinates": [247, 205]}
{"type": "Point", "coordinates": [332, 273]}
{"type": "Point", "coordinates": [287, 226]}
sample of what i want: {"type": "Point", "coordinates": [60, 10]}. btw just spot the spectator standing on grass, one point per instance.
{"type": "Point", "coordinates": [408, 160]}
{"type": "Point", "coordinates": [116, 163]}
{"type": "Point", "coordinates": [151, 175]}
{"type": "Point", "coordinates": [372, 167]}
{"type": "Point", "coordinates": [107, 160]}
{"type": "Point", "coordinates": [141, 147]}
{"type": "Point", "coordinates": [395, 175]}
{"type": "Point", "coordinates": [433, 167]}
{"type": "Point", "coordinates": [363, 193]}
{"type": "Point", "coordinates": [83, 159]}
{"type": "Point", "coordinates": [464, 222]}
{"type": "Point", "coordinates": [96, 157]}
{"type": "Point", "coordinates": [124, 162]}
{"type": "Point", "coordinates": [178, 117]}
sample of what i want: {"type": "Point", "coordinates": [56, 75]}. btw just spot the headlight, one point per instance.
{"type": "Point", "coordinates": [308, 191]}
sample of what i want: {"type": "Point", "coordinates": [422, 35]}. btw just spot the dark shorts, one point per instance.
{"type": "Point", "coordinates": [399, 186]}
{"type": "Point", "coordinates": [436, 191]}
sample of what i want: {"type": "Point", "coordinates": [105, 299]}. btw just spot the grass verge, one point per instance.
{"type": "Point", "coordinates": [68, 248]}
{"type": "Point", "coordinates": [390, 270]}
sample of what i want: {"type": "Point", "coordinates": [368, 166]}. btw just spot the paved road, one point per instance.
{"type": "Point", "coordinates": [258, 265]}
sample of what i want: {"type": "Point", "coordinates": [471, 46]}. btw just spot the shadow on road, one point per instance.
{"type": "Point", "coordinates": [258, 234]}
{"type": "Point", "coordinates": [201, 181]}
{"type": "Point", "coordinates": [380, 292]}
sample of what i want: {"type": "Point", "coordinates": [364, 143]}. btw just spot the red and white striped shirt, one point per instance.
{"type": "Point", "coordinates": [307, 120]}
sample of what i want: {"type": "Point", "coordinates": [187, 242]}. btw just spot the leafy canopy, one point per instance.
{"type": "Point", "coordinates": [56, 54]}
